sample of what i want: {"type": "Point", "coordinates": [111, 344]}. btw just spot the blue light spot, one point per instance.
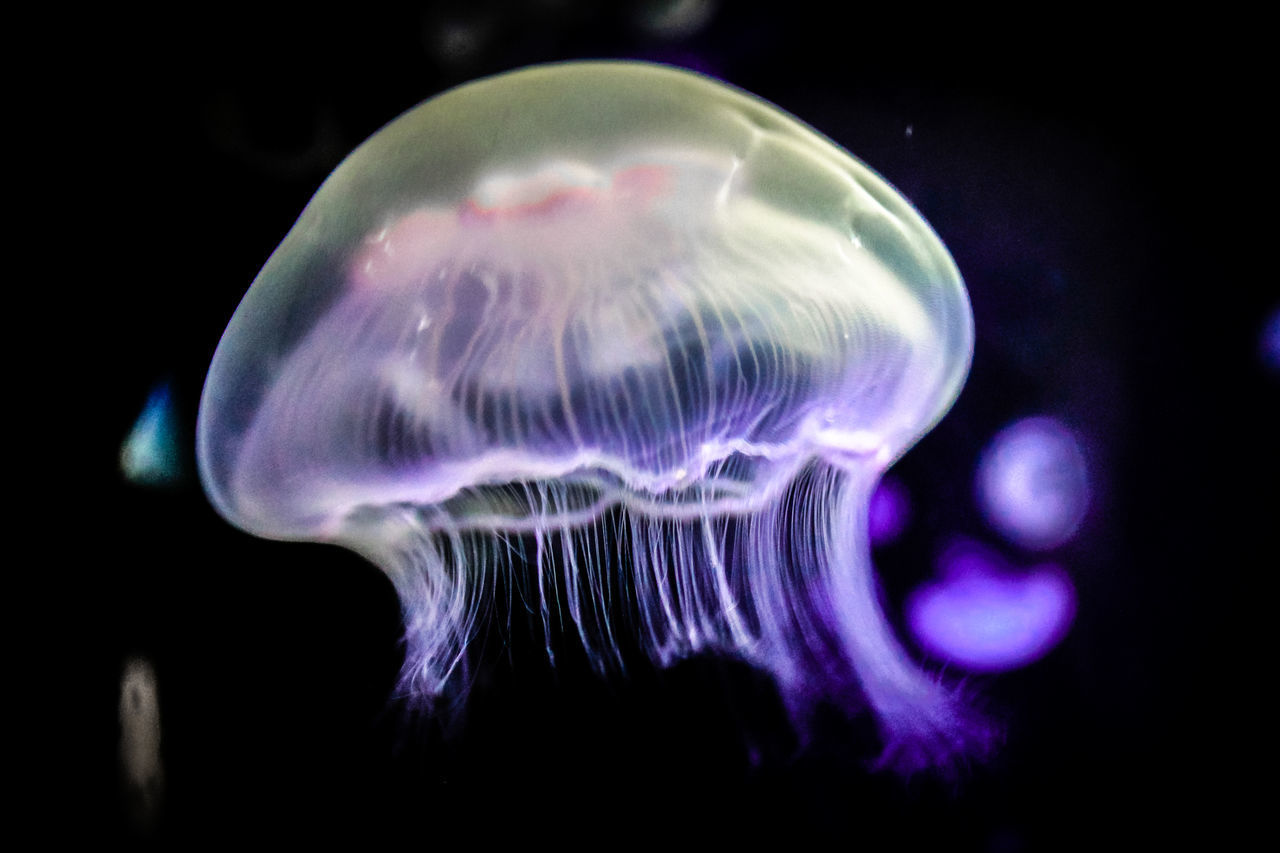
{"type": "Point", "coordinates": [150, 456]}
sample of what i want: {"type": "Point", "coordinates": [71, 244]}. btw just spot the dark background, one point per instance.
{"type": "Point", "coordinates": [1091, 179]}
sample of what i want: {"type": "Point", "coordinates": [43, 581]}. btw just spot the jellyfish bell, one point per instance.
{"type": "Point", "coordinates": [647, 323]}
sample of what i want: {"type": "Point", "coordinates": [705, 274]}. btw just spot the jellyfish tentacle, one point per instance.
{"type": "Point", "coordinates": [695, 629]}
{"type": "Point", "coordinates": [440, 606]}
{"type": "Point", "coordinates": [730, 608]}
{"type": "Point", "coordinates": [922, 720]}
{"type": "Point", "coordinates": [775, 607]}
{"type": "Point", "coordinates": [576, 577]}
{"type": "Point", "coordinates": [658, 613]}
{"type": "Point", "coordinates": [544, 569]}
{"type": "Point", "coordinates": [598, 570]}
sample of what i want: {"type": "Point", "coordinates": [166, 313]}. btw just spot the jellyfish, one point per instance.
{"type": "Point", "coordinates": [985, 616]}
{"type": "Point", "coordinates": [1032, 483]}
{"type": "Point", "coordinates": [627, 340]}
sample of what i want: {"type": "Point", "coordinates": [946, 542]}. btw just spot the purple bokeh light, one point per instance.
{"type": "Point", "coordinates": [890, 511]}
{"type": "Point", "coordinates": [1270, 344]}
{"type": "Point", "coordinates": [1032, 483]}
{"type": "Point", "coordinates": [983, 616]}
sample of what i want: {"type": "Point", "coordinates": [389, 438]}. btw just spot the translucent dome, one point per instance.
{"type": "Point", "coordinates": [623, 275]}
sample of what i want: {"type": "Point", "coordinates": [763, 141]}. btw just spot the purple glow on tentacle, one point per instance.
{"type": "Point", "coordinates": [1032, 483]}
{"type": "Point", "coordinates": [890, 511]}
{"type": "Point", "coordinates": [985, 617]}
{"type": "Point", "coordinates": [923, 722]}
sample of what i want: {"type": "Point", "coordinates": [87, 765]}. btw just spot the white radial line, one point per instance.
{"type": "Point", "coordinates": [558, 330]}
